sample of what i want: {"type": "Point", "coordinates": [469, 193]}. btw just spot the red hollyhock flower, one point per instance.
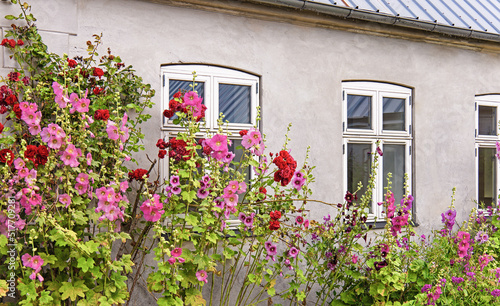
{"type": "Point", "coordinates": [161, 144]}
{"type": "Point", "coordinates": [275, 215]}
{"type": "Point", "coordinates": [12, 43]}
{"type": "Point", "coordinates": [168, 113]}
{"type": "Point", "coordinates": [17, 110]}
{"type": "Point", "coordinates": [178, 94]}
{"type": "Point", "coordinates": [14, 76]}
{"type": "Point", "coordinates": [4, 42]}
{"type": "Point", "coordinates": [101, 114]}
{"type": "Point", "coordinates": [243, 132]}
{"type": "Point", "coordinates": [30, 152]}
{"type": "Point", "coordinates": [162, 153]}
{"type": "Point", "coordinates": [72, 63]}
{"type": "Point", "coordinates": [43, 151]}
{"type": "Point", "coordinates": [1, 127]}
{"type": "Point", "coordinates": [20, 42]}
{"type": "Point", "coordinates": [97, 72]}
{"type": "Point", "coordinates": [98, 90]}
{"type": "Point", "coordinates": [11, 100]}
{"type": "Point", "coordinates": [3, 110]}
{"type": "Point", "coordinates": [5, 157]}
{"type": "Point", "coordinates": [137, 174]}
{"type": "Point", "coordinates": [274, 225]}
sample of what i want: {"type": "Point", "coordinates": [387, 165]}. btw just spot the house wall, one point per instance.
{"type": "Point", "coordinates": [302, 66]}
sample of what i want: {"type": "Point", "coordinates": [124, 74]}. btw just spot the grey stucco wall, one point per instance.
{"type": "Point", "coordinates": [302, 68]}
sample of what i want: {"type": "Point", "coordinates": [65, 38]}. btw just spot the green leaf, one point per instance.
{"type": "Point", "coordinates": [85, 263]}
{"type": "Point", "coordinates": [70, 290]}
{"type": "Point", "coordinates": [10, 17]}
{"type": "Point", "coordinates": [194, 297]}
{"type": "Point", "coordinates": [191, 219]}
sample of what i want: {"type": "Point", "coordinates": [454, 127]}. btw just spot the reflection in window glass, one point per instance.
{"type": "Point", "coordinates": [487, 177]}
{"type": "Point", "coordinates": [359, 112]}
{"type": "Point", "coordinates": [235, 103]}
{"type": "Point", "coordinates": [358, 166]}
{"type": "Point", "coordinates": [487, 120]}
{"type": "Point", "coordinates": [176, 85]}
{"type": "Point", "coordinates": [394, 163]}
{"type": "Point", "coordinates": [394, 114]}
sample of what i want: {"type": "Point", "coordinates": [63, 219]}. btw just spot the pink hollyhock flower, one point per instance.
{"type": "Point", "coordinates": [101, 193]}
{"type": "Point", "coordinates": [31, 177]}
{"type": "Point", "coordinates": [242, 217]}
{"type": "Point", "coordinates": [19, 163]}
{"type": "Point", "coordinates": [202, 276]}
{"type": "Point", "coordinates": [81, 105]}
{"type": "Point", "coordinates": [298, 182]}
{"type": "Point", "coordinates": [34, 129]}
{"type": "Point", "coordinates": [36, 263]}
{"type": "Point", "coordinates": [81, 188]}
{"type": "Point", "coordinates": [154, 215]}
{"type": "Point", "coordinates": [83, 178]}
{"type": "Point", "coordinates": [218, 155]}
{"type": "Point", "coordinates": [230, 199]}
{"type": "Point", "coordinates": [247, 142]}
{"type": "Point", "coordinates": [255, 136]}
{"type": "Point", "coordinates": [123, 186]}
{"type": "Point", "coordinates": [181, 260]}
{"type": "Point", "coordinates": [176, 190]}
{"type": "Point", "coordinates": [65, 199]}
{"type": "Point", "coordinates": [176, 252]}
{"type": "Point", "coordinates": [57, 88]}
{"type": "Point", "coordinates": [354, 259]}
{"type": "Point", "coordinates": [26, 259]}
{"type": "Point", "coordinates": [232, 187]}
{"type": "Point", "coordinates": [293, 252]}
{"type": "Point", "coordinates": [23, 172]}
{"type": "Point", "coordinates": [24, 106]}
{"type": "Point", "coordinates": [89, 159]}
{"type": "Point", "coordinates": [174, 180]}
{"type": "Point", "coordinates": [172, 260]}
{"type": "Point", "coordinates": [62, 100]}
{"type": "Point", "coordinates": [69, 159]}
{"type": "Point", "coordinates": [112, 130]}
{"type": "Point", "coordinates": [249, 220]}
{"type": "Point", "coordinates": [242, 187]}
{"type": "Point", "coordinates": [29, 117]}
{"type": "Point", "coordinates": [257, 149]}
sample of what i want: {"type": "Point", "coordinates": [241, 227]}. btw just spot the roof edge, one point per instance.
{"type": "Point", "coordinates": [357, 14]}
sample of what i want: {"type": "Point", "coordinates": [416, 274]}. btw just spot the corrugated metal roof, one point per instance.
{"type": "Point", "coordinates": [476, 15]}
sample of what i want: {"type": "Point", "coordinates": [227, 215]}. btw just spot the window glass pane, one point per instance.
{"type": "Point", "coordinates": [235, 103]}
{"type": "Point", "coordinates": [394, 114]}
{"type": "Point", "coordinates": [487, 177]}
{"type": "Point", "coordinates": [176, 85]}
{"type": "Point", "coordinates": [394, 163]}
{"type": "Point", "coordinates": [358, 166]}
{"type": "Point", "coordinates": [359, 112]}
{"type": "Point", "coordinates": [487, 120]}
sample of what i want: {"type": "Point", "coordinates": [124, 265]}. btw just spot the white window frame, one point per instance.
{"type": "Point", "coordinates": [378, 91]}
{"type": "Point", "coordinates": [212, 76]}
{"type": "Point", "coordinates": [486, 141]}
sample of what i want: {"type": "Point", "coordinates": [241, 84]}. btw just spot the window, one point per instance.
{"type": "Point", "coordinates": [486, 138]}
{"type": "Point", "coordinates": [231, 92]}
{"type": "Point", "coordinates": [376, 112]}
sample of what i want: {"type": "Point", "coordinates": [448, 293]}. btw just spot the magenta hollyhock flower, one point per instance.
{"type": "Point", "coordinates": [242, 217]}
{"type": "Point", "coordinates": [181, 260]}
{"type": "Point", "coordinates": [498, 149]}
{"type": "Point", "coordinates": [176, 190]}
{"type": "Point", "coordinates": [219, 203]}
{"type": "Point", "coordinates": [495, 292]}
{"type": "Point", "coordinates": [464, 236]}
{"type": "Point", "coordinates": [228, 157]}
{"type": "Point", "coordinates": [297, 183]}
{"type": "Point", "coordinates": [354, 259]}
{"type": "Point", "coordinates": [202, 276]}
{"type": "Point", "coordinates": [174, 180]}
{"type": "Point", "coordinates": [176, 252]}
{"type": "Point", "coordinates": [218, 143]}
{"type": "Point", "coordinates": [112, 130]}
{"type": "Point", "coordinates": [293, 252]}
{"type": "Point", "coordinates": [249, 220]}
{"type": "Point", "coordinates": [299, 219]}
{"type": "Point", "coordinates": [379, 151]}
{"type": "Point", "coordinates": [202, 193]}
{"type": "Point", "coordinates": [172, 260]}
{"type": "Point", "coordinates": [191, 98]}
{"type": "Point", "coordinates": [65, 199]}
